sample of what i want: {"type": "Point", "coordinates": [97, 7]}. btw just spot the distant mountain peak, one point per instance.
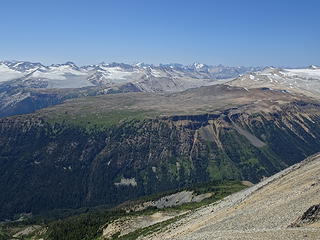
{"type": "Point", "coordinates": [71, 64]}
{"type": "Point", "coordinates": [140, 64]}
{"type": "Point", "coordinates": [313, 67]}
{"type": "Point", "coordinates": [68, 64]}
{"type": "Point", "coordinates": [198, 65]}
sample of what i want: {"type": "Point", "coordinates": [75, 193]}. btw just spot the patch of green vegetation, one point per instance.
{"type": "Point", "coordinates": [213, 170]}
{"type": "Point", "coordinates": [185, 166]}
{"type": "Point", "coordinates": [4, 235]}
{"type": "Point", "coordinates": [84, 226]}
{"type": "Point", "coordinates": [219, 164]}
{"type": "Point", "coordinates": [173, 171]}
{"type": "Point", "coordinates": [85, 119]}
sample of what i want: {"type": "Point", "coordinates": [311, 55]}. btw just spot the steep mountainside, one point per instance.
{"type": "Point", "coordinates": [284, 206]}
{"type": "Point", "coordinates": [108, 149]}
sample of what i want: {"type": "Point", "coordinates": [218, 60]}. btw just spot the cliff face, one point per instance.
{"type": "Point", "coordinates": [46, 165]}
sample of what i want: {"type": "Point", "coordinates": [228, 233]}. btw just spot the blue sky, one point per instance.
{"type": "Point", "coordinates": [230, 32]}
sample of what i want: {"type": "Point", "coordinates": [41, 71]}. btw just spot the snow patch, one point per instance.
{"type": "Point", "coordinates": [7, 74]}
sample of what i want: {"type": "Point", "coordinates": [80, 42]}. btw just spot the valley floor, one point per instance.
{"type": "Point", "coordinates": [264, 211]}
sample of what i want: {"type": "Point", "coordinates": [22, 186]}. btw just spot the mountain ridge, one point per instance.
{"type": "Point", "coordinates": [196, 70]}
{"type": "Point", "coordinates": [148, 143]}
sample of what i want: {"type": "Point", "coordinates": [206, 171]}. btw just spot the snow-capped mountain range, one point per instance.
{"type": "Point", "coordinates": [299, 80]}
{"type": "Point", "coordinates": [150, 78]}
{"type": "Point", "coordinates": [26, 87]}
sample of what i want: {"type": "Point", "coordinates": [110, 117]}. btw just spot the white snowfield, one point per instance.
{"type": "Point", "coordinates": [58, 73]}
{"type": "Point", "coordinates": [307, 73]}
{"type": "Point", "coordinates": [8, 74]}
{"type": "Point", "coordinates": [306, 81]}
{"type": "Point", "coordinates": [162, 78]}
{"type": "Point", "coordinates": [63, 76]}
{"type": "Point", "coordinates": [14, 70]}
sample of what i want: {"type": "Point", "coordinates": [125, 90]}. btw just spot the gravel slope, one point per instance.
{"type": "Point", "coordinates": [263, 211]}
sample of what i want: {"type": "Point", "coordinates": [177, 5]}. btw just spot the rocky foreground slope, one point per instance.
{"type": "Point", "coordinates": [284, 206]}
